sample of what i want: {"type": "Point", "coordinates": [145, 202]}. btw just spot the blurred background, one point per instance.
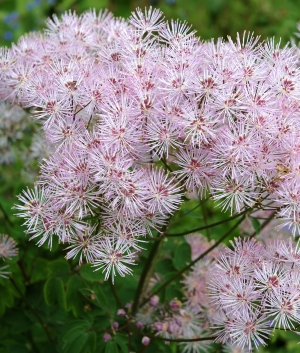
{"type": "Point", "coordinates": [211, 18]}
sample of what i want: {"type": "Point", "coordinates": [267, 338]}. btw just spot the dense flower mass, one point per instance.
{"type": "Point", "coordinates": [254, 289]}
{"type": "Point", "coordinates": [140, 112]}
{"type": "Point", "coordinates": [237, 295]}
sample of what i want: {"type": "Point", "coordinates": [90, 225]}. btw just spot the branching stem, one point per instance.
{"type": "Point", "coordinates": [179, 273]}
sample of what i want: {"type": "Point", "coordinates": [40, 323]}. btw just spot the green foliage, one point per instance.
{"type": "Point", "coordinates": [54, 292]}
{"type": "Point", "coordinates": [182, 256]}
{"type": "Point", "coordinates": [111, 347]}
{"type": "Point", "coordinates": [88, 273]}
{"type": "Point", "coordinates": [256, 225]}
{"type": "Point", "coordinates": [211, 18]}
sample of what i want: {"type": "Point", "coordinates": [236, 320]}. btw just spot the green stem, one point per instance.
{"type": "Point", "coordinates": [197, 339]}
{"type": "Point", "coordinates": [205, 221]}
{"type": "Point", "coordinates": [209, 225]}
{"type": "Point", "coordinates": [163, 159]}
{"type": "Point", "coordinates": [112, 287]}
{"type": "Point", "coordinates": [153, 337]}
{"type": "Point", "coordinates": [179, 273]}
{"type": "Point", "coordinates": [146, 273]}
{"type": "Point", "coordinates": [6, 215]}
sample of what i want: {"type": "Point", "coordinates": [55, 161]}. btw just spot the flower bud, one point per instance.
{"type": "Point", "coordinates": [145, 341]}
{"type": "Point", "coordinates": [115, 325]}
{"type": "Point", "coordinates": [154, 300]}
{"type": "Point", "coordinates": [175, 304]}
{"type": "Point", "coordinates": [121, 312]}
{"type": "Point", "coordinates": [139, 324]}
{"type": "Point", "coordinates": [106, 337]}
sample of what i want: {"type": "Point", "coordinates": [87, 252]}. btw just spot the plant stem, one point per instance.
{"type": "Point", "coordinates": [145, 275]}
{"type": "Point", "coordinates": [208, 225]}
{"type": "Point", "coordinates": [112, 287]}
{"type": "Point", "coordinates": [5, 215]}
{"type": "Point", "coordinates": [163, 159]}
{"type": "Point", "coordinates": [205, 221]}
{"type": "Point", "coordinates": [196, 339]}
{"type": "Point", "coordinates": [147, 271]}
{"type": "Point", "coordinates": [78, 111]}
{"type": "Point", "coordinates": [179, 273]}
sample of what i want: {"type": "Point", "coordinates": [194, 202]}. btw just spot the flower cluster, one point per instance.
{"type": "Point", "coordinates": [13, 122]}
{"type": "Point", "coordinates": [254, 289]}
{"type": "Point", "coordinates": [8, 249]}
{"type": "Point", "coordinates": [139, 112]}
{"type": "Point", "coordinates": [236, 296]}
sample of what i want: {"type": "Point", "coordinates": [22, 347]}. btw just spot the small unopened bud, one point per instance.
{"type": "Point", "coordinates": [128, 305]}
{"type": "Point", "coordinates": [175, 304]}
{"type": "Point", "coordinates": [121, 312]}
{"type": "Point", "coordinates": [139, 324]}
{"type": "Point", "coordinates": [115, 325]}
{"type": "Point", "coordinates": [106, 337]}
{"type": "Point", "coordinates": [145, 341]}
{"type": "Point", "coordinates": [154, 300]}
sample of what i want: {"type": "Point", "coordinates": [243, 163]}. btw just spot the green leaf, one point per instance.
{"type": "Point", "coordinates": [107, 293]}
{"type": "Point", "coordinates": [72, 334]}
{"type": "Point", "coordinates": [122, 341]}
{"type": "Point", "coordinates": [17, 348]}
{"type": "Point", "coordinates": [49, 291]}
{"type": "Point", "coordinates": [111, 347]}
{"type": "Point", "coordinates": [74, 299]}
{"type": "Point", "coordinates": [40, 271]}
{"type": "Point", "coordinates": [100, 295]}
{"type": "Point", "coordinates": [182, 256]}
{"type": "Point", "coordinates": [91, 343]}
{"type": "Point", "coordinates": [163, 266]}
{"type": "Point", "coordinates": [97, 299]}
{"type": "Point", "coordinates": [54, 292]}
{"type": "Point", "coordinates": [6, 296]}
{"type": "Point", "coordinates": [85, 324]}
{"type": "Point", "coordinates": [88, 273]}
{"type": "Point", "coordinates": [256, 225]}
{"type": "Point", "coordinates": [102, 322]}
{"type": "Point", "coordinates": [172, 292]}
{"type": "Point", "coordinates": [2, 307]}
{"type": "Point", "coordinates": [59, 267]}
{"type": "Point", "coordinates": [77, 345]}
{"type": "Point", "coordinates": [18, 320]}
